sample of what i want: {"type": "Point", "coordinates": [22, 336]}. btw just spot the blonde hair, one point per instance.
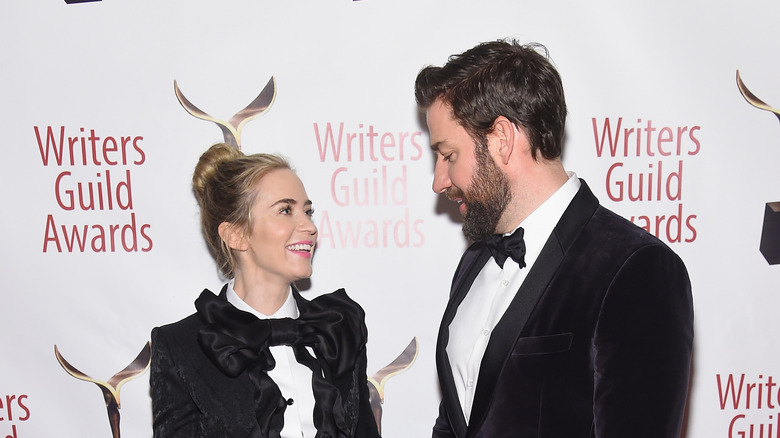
{"type": "Point", "coordinates": [224, 183]}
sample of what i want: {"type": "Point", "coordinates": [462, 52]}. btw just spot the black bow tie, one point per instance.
{"type": "Point", "coordinates": [236, 341]}
{"type": "Point", "coordinates": [508, 246]}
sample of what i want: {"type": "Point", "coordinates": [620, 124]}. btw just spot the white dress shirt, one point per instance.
{"type": "Point", "coordinates": [292, 378]}
{"type": "Point", "coordinates": [493, 291]}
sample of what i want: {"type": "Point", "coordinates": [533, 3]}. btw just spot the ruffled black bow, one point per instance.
{"type": "Point", "coordinates": [331, 325]}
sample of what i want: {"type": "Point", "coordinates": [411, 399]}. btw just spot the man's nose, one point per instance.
{"type": "Point", "coordinates": [441, 180]}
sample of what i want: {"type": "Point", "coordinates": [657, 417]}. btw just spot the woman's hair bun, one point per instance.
{"type": "Point", "coordinates": [208, 164]}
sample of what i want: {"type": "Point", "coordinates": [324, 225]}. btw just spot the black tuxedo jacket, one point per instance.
{"type": "Point", "coordinates": [191, 397]}
{"type": "Point", "coordinates": [596, 343]}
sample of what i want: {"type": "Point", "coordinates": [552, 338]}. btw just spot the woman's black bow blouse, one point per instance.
{"type": "Point", "coordinates": [328, 337]}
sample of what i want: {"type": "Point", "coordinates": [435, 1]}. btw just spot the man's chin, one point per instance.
{"type": "Point", "coordinates": [474, 233]}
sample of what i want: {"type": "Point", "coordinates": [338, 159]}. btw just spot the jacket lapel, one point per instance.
{"type": "Point", "coordinates": [470, 265]}
{"type": "Point", "coordinates": [509, 327]}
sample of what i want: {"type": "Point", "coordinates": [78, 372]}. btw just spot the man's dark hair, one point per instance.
{"type": "Point", "coordinates": [501, 78]}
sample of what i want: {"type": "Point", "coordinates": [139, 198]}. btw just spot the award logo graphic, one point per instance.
{"type": "Point", "coordinates": [231, 129]}
{"type": "Point", "coordinates": [112, 387]}
{"type": "Point", "coordinates": [376, 387]}
{"type": "Point", "coordinates": [231, 132]}
{"type": "Point", "coordinates": [770, 233]}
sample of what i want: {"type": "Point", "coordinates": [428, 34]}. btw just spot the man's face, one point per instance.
{"type": "Point", "coordinates": [466, 173]}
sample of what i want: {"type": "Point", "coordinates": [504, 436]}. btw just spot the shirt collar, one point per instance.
{"type": "Point", "coordinates": [288, 310]}
{"type": "Point", "coordinates": [540, 223]}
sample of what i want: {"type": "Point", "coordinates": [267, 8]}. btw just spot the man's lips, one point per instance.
{"type": "Point", "coordinates": [457, 197]}
{"type": "Point", "coordinates": [461, 205]}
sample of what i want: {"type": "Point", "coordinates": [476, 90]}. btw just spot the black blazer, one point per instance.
{"type": "Point", "coordinates": [596, 343]}
{"type": "Point", "coordinates": [191, 397]}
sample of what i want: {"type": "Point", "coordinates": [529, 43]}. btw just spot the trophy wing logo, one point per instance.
{"type": "Point", "coordinates": [231, 129]}
{"type": "Point", "coordinates": [376, 383]}
{"type": "Point", "coordinates": [770, 233]}
{"type": "Point", "coordinates": [112, 387]}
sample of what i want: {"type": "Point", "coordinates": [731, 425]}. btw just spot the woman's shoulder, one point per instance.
{"type": "Point", "coordinates": [178, 331]}
{"type": "Point", "coordinates": [178, 342]}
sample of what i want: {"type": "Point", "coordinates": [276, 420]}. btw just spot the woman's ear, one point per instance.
{"type": "Point", "coordinates": [232, 236]}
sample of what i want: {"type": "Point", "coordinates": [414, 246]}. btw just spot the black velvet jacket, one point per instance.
{"type": "Point", "coordinates": [596, 343]}
{"type": "Point", "coordinates": [192, 397]}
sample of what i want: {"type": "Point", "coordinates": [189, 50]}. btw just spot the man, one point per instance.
{"type": "Point", "coordinates": [586, 329]}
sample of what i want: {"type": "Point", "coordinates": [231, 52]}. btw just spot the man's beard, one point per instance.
{"type": "Point", "coordinates": [487, 197]}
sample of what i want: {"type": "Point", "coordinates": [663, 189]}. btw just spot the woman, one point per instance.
{"type": "Point", "coordinates": [258, 360]}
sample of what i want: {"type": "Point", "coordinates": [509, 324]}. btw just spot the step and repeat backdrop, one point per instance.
{"type": "Point", "coordinates": [107, 106]}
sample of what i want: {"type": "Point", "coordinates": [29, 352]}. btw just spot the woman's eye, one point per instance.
{"type": "Point", "coordinates": [285, 210]}
{"type": "Point", "coordinates": [309, 212]}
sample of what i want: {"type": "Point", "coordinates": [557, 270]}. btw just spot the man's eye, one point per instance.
{"type": "Point", "coordinates": [285, 210]}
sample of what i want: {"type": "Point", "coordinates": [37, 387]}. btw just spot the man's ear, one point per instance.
{"type": "Point", "coordinates": [505, 134]}
{"type": "Point", "coordinates": [232, 236]}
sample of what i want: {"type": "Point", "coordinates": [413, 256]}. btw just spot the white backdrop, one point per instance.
{"type": "Point", "coordinates": [101, 72]}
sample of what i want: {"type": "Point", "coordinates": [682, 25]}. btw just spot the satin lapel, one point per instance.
{"type": "Point", "coordinates": [508, 329]}
{"type": "Point", "coordinates": [470, 265]}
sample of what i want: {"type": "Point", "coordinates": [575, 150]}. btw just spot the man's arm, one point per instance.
{"type": "Point", "coordinates": [642, 348]}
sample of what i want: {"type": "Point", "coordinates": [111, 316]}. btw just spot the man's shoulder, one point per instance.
{"type": "Point", "coordinates": [617, 226]}
{"type": "Point", "coordinates": [625, 240]}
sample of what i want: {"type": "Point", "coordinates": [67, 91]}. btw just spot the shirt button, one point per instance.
{"type": "Point", "coordinates": [470, 383]}
{"type": "Point", "coordinates": [505, 282]}
{"type": "Point", "coordinates": [485, 332]}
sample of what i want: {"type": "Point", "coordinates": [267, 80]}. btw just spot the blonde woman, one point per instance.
{"type": "Point", "coordinates": [259, 360]}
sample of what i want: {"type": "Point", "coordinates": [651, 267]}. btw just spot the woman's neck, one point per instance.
{"type": "Point", "coordinates": [265, 297]}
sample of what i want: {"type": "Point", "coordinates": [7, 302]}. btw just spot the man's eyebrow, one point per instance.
{"type": "Point", "coordinates": [435, 146]}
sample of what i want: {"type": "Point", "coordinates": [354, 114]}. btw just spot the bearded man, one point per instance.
{"type": "Point", "coordinates": [564, 319]}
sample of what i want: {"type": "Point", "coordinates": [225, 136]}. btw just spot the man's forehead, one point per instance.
{"type": "Point", "coordinates": [440, 121]}
{"type": "Point", "coordinates": [441, 108]}
{"type": "Point", "coordinates": [445, 132]}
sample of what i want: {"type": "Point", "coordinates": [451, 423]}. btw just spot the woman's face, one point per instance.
{"type": "Point", "coordinates": [283, 233]}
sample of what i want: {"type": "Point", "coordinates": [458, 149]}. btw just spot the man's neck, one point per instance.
{"type": "Point", "coordinates": [530, 192]}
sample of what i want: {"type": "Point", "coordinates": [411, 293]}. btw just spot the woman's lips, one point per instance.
{"type": "Point", "coordinates": [303, 249]}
